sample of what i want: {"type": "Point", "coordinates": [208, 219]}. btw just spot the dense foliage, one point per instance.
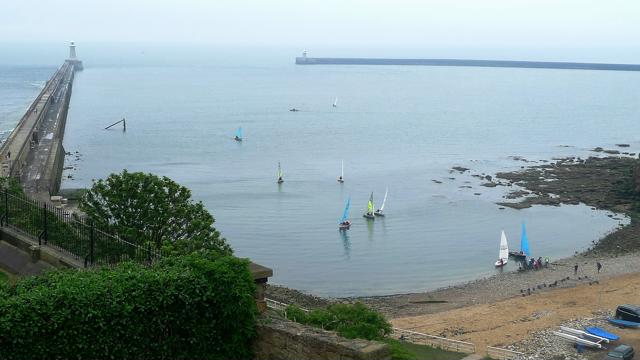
{"type": "Point", "coordinates": [348, 320]}
{"type": "Point", "coordinates": [145, 208]}
{"type": "Point", "coordinates": [197, 306]}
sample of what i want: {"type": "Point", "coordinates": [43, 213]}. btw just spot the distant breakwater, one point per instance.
{"type": "Point", "coordinates": [303, 60]}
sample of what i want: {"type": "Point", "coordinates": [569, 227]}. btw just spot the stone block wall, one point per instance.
{"type": "Point", "coordinates": [279, 339]}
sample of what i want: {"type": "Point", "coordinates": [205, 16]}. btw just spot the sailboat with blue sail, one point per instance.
{"type": "Point", "coordinates": [524, 246]}
{"type": "Point", "coordinates": [345, 224]}
{"type": "Point", "coordinates": [238, 136]}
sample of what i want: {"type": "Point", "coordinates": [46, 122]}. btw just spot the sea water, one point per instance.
{"type": "Point", "coordinates": [395, 127]}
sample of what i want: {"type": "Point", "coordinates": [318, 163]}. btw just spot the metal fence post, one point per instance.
{"type": "Point", "coordinates": [46, 227]}
{"type": "Point", "coordinates": [6, 207]}
{"type": "Point", "coordinates": [91, 244]}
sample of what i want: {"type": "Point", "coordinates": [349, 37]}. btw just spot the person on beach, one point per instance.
{"type": "Point", "coordinates": [599, 266]}
{"type": "Point", "coordinates": [575, 269]}
{"type": "Point", "coordinates": [546, 261]}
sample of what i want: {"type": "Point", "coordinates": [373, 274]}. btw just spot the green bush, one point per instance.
{"type": "Point", "coordinates": [348, 320]}
{"type": "Point", "coordinates": [196, 306]}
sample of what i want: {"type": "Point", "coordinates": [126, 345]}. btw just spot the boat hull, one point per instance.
{"type": "Point", "coordinates": [499, 264]}
{"type": "Point", "coordinates": [369, 216]}
{"type": "Point", "coordinates": [379, 213]}
{"type": "Point", "coordinates": [623, 323]}
{"type": "Point", "coordinates": [517, 255]}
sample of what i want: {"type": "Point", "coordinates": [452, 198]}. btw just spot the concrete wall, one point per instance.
{"type": "Point", "coordinates": [285, 340]}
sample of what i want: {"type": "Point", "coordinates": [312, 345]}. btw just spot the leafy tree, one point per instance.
{"type": "Point", "coordinates": [145, 208]}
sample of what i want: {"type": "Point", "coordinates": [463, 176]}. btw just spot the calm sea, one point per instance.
{"type": "Point", "coordinates": [395, 127]}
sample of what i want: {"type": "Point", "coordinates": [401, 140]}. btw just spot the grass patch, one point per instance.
{"type": "Point", "coordinates": [3, 277]}
{"type": "Point", "coordinates": [402, 350]}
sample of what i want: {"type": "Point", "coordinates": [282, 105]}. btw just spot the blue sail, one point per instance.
{"type": "Point", "coordinates": [239, 133]}
{"type": "Point", "coordinates": [524, 242]}
{"type": "Point", "coordinates": [345, 214]}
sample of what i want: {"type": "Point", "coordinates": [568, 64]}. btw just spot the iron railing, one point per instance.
{"type": "Point", "coordinates": [69, 233]}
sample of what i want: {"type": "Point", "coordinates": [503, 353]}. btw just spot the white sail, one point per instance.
{"type": "Point", "coordinates": [504, 248]}
{"type": "Point", "coordinates": [384, 201]}
{"type": "Point", "coordinates": [335, 102]}
{"type": "Point", "coordinates": [342, 170]}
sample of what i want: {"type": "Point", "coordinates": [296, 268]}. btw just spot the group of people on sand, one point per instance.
{"type": "Point", "coordinates": [533, 263]}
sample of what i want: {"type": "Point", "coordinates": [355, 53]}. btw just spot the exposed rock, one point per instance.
{"type": "Point", "coordinates": [460, 169]}
{"type": "Point", "coordinates": [623, 145]}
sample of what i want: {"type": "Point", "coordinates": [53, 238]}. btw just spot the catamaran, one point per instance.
{"type": "Point", "coordinates": [335, 103]}
{"type": "Point", "coordinates": [238, 136]}
{"type": "Point", "coordinates": [369, 214]}
{"type": "Point", "coordinates": [341, 177]}
{"type": "Point", "coordinates": [524, 246]}
{"type": "Point", "coordinates": [503, 255]}
{"type": "Point", "coordinates": [345, 224]}
{"type": "Point", "coordinates": [280, 174]}
{"type": "Point", "coordinates": [380, 212]}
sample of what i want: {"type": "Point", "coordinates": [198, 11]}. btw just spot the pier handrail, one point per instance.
{"type": "Point", "coordinates": [503, 354]}
{"type": "Point", "coordinates": [4, 148]}
{"type": "Point", "coordinates": [30, 108]}
{"type": "Point", "coordinates": [436, 341]}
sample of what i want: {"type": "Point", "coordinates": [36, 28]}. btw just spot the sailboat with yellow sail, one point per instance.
{"type": "Point", "coordinates": [370, 209]}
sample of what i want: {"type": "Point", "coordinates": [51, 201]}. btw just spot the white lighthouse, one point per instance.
{"type": "Point", "coordinates": [72, 51]}
{"type": "Point", "coordinates": [73, 60]}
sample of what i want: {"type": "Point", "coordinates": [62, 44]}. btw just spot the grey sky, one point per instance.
{"type": "Point", "coordinates": [308, 23]}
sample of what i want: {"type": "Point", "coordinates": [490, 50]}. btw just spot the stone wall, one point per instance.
{"type": "Point", "coordinates": [285, 340]}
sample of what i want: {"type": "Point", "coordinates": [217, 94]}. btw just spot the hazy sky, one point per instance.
{"type": "Point", "coordinates": [308, 23]}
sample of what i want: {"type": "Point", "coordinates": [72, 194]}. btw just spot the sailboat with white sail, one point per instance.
{"type": "Point", "coordinates": [341, 177]}
{"type": "Point", "coordinates": [280, 174]}
{"type": "Point", "coordinates": [345, 224]}
{"type": "Point", "coordinates": [335, 102]}
{"type": "Point", "coordinates": [503, 255]}
{"type": "Point", "coordinates": [238, 136]}
{"type": "Point", "coordinates": [380, 212]}
{"type": "Point", "coordinates": [370, 214]}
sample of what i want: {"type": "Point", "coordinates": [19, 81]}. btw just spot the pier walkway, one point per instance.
{"type": "Point", "coordinates": [33, 152]}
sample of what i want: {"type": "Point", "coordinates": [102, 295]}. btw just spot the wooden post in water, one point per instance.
{"type": "Point", "coordinates": [124, 124]}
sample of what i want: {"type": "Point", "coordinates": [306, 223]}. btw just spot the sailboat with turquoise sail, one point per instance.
{"type": "Point", "coordinates": [380, 212]}
{"type": "Point", "coordinates": [280, 174]}
{"type": "Point", "coordinates": [524, 246]}
{"type": "Point", "coordinates": [370, 214]}
{"type": "Point", "coordinates": [238, 136]}
{"type": "Point", "coordinates": [345, 224]}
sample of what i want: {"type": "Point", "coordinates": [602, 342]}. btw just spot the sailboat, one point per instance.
{"type": "Point", "coordinates": [344, 222]}
{"type": "Point", "coordinates": [503, 255]}
{"type": "Point", "coordinates": [380, 212]}
{"type": "Point", "coordinates": [524, 246]}
{"type": "Point", "coordinates": [280, 174]}
{"type": "Point", "coordinates": [369, 214]}
{"type": "Point", "coordinates": [335, 103]}
{"type": "Point", "coordinates": [238, 136]}
{"type": "Point", "coordinates": [341, 178]}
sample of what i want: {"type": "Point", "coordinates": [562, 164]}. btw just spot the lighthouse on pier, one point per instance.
{"type": "Point", "coordinates": [77, 64]}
